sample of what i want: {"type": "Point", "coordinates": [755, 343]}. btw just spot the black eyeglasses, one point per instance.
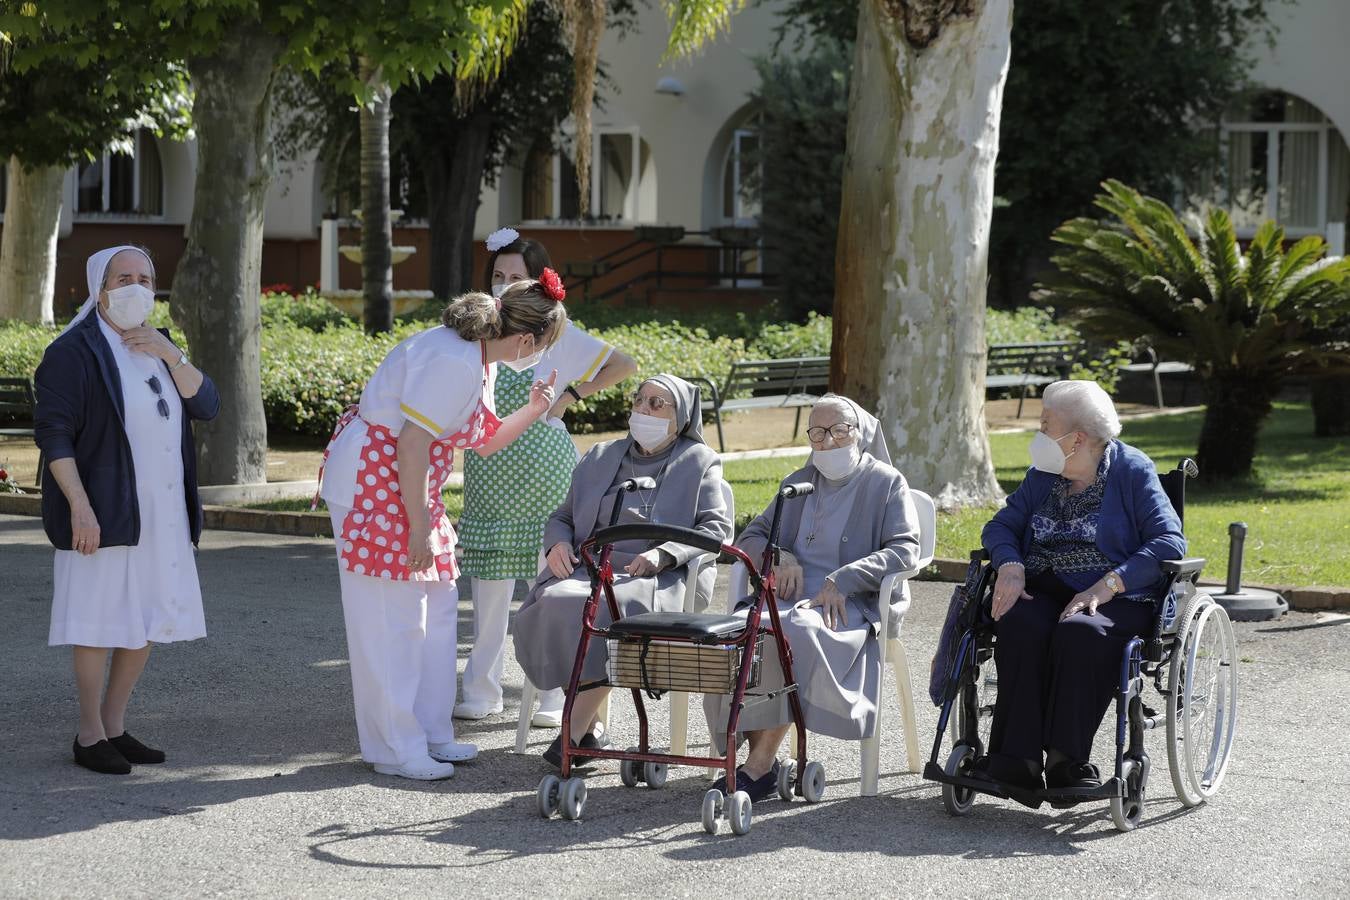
{"type": "Point", "coordinates": [161, 404]}
{"type": "Point", "coordinates": [839, 431]}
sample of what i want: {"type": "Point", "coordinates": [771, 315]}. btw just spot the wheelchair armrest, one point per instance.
{"type": "Point", "coordinates": [1187, 568]}
{"type": "Point", "coordinates": [980, 555]}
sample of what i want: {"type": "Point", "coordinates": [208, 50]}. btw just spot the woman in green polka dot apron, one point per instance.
{"type": "Point", "coordinates": [510, 495]}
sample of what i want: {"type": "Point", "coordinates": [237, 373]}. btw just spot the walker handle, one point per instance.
{"type": "Point", "coordinates": [662, 533]}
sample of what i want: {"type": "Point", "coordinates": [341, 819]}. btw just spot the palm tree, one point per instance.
{"type": "Point", "coordinates": [1246, 321]}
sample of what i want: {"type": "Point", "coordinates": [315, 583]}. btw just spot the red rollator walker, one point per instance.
{"type": "Point", "coordinates": [656, 652]}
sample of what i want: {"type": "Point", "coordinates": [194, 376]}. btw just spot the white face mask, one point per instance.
{"type": "Point", "coordinates": [521, 364]}
{"type": "Point", "coordinates": [837, 463]}
{"type": "Point", "coordinates": [499, 289]}
{"type": "Point", "coordinates": [649, 431]}
{"type": "Point", "coordinates": [130, 306]}
{"type": "Point", "coordinates": [1046, 453]}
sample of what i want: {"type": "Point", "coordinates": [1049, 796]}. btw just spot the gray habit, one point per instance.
{"type": "Point", "coordinates": [863, 527]}
{"type": "Point", "coordinates": [688, 493]}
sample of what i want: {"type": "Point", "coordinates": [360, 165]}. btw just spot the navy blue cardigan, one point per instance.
{"type": "Point", "coordinates": [79, 415]}
{"type": "Point", "coordinates": [1137, 528]}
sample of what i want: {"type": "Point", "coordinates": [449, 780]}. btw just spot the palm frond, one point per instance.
{"type": "Point", "coordinates": [694, 23]}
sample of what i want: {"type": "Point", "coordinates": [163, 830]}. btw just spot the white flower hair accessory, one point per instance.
{"type": "Point", "coordinates": [502, 237]}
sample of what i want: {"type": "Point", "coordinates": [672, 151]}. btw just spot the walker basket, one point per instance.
{"type": "Point", "coordinates": [659, 666]}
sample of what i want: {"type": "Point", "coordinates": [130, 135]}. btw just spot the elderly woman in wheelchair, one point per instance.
{"type": "Point", "coordinates": [1077, 550]}
{"type": "Point", "coordinates": [858, 524]}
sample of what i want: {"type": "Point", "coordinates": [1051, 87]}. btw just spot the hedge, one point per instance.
{"type": "Point", "coordinates": [316, 361]}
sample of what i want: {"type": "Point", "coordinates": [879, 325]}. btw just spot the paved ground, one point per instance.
{"type": "Point", "coordinates": [264, 795]}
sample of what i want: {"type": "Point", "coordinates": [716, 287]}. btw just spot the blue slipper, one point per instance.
{"type": "Point", "coordinates": [743, 782]}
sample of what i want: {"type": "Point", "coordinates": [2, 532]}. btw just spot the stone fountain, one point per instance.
{"type": "Point", "coordinates": [352, 302]}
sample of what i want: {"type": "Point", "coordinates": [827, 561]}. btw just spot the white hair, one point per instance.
{"type": "Point", "coordinates": [1086, 407]}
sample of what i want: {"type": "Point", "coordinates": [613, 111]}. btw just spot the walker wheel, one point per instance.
{"type": "Point", "coordinates": [959, 800]}
{"type": "Point", "coordinates": [630, 770]}
{"type": "Point", "coordinates": [712, 811]}
{"type": "Point", "coordinates": [787, 773]}
{"type": "Point", "coordinates": [546, 798]}
{"type": "Point", "coordinates": [739, 812]}
{"type": "Point", "coordinates": [573, 799]}
{"type": "Point", "coordinates": [813, 782]}
{"type": "Point", "coordinates": [654, 773]}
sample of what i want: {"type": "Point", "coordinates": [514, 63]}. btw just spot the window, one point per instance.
{"type": "Point", "coordinates": [740, 179]}
{"type": "Point", "coordinates": [123, 184]}
{"type": "Point", "coordinates": [622, 179]}
{"type": "Point", "coordinates": [1282, 159]}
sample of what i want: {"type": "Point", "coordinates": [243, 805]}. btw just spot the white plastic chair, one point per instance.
{"type": "Point", "coordinates": [679, 701]}
{"type": "Point", "coordinates": [893, 650]}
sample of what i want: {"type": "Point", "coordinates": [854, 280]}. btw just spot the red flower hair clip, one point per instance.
{"type": "Point", "coordinates": [553, 285]}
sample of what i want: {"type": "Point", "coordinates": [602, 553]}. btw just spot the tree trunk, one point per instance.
{"type": "Point", "coordinates": [216, 286]}
{"type": "Point", "coordinates": [913, 244]}
{"type": "Point", "coordinates": [377, 235]}
{"type": "Point", "coordinates": [1331, 405]}
{"type": "Point", "coordinates": [1236, 404]}
{"type": "Point", "coordinates": [28, 248]}
{"type": "Point", "coordinates": [585, 23]}
{"type": "Point", "coordinates": [453, 174]}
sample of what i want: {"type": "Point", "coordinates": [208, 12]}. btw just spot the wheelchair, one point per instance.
{"type": "Point", "coordinates": [1190, 658]}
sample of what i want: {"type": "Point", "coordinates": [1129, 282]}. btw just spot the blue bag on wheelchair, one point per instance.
{"type": "Point", "coordinates": [959, 617]}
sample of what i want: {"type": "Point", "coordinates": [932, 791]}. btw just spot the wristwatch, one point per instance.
{"type": "Point", "coordinates": [1113, 583]}
{"type": "Point", "coordinates": [182, 361]}
{"type": "Point", "coordinates": [573, 391]}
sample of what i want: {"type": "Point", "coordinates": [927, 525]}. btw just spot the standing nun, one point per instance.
{"type": "Point", "coordinates": [115, 400]}
{"type": "Point", "coordinates": [838, 544]}
{"type": "Point", "coordinates": [665, 442]}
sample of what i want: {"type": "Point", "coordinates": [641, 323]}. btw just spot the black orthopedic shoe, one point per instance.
{"type": "Point", "coordinates": [553, 755]}
{"type": "Point", "coordinates": [102, 758]}
{"type": "Point", "coordinates": [1068, 776]}
{"type": "Point", "coordinates": [135, 752]}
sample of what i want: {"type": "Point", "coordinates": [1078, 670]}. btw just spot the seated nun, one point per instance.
{"type": "Point", "coordinates": [665, 443]}
{"type": "Point", "coordinates": [837, 545]}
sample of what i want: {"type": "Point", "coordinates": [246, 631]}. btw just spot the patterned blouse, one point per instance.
{"type": "Point", "coordinates": [1064, 532]}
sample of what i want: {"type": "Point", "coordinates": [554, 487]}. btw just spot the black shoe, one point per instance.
{"type": "Point", "coordinates": [764, 786]}
{"type": "Point", "coordinates": [1012, 772]}
{"type": "Point", "coordinates": [743, 782]}
{"type": "Point", "coordinates": [1069, 776]}
{"type": "Point", "coordinates": [135, 752]}
{"type": "Point", "coordinates": [553, 755]}
{"type": "Point", "coordinates": [102, 758]}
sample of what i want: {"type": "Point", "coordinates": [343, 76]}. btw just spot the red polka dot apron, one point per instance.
{"type": "Point", "coordinates": [375, 532]}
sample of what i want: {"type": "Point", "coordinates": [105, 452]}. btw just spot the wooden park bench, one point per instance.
{"type": "Point", "coordinates": [767, 384]}
{"type": "Point", "coordinates": [1155, 367]}
{"type": "Point", "coordinates": [1029, 365]}
{"type": "Point", "coordinates": [17, 400]}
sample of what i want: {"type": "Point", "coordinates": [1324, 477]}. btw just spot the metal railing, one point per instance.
{"type": "Point", "coordinates": [653, 244]}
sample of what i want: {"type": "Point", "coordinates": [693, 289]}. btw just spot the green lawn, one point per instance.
{"type": "Point", "coordinates": [1297, 508]}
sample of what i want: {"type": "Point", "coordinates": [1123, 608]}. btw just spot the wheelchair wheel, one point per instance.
{"type": "Point", "coordinates": [958, 800]}
{"type": "Point", "coordinates": [1202, 703]}
{"type": "Point", "coordinates": [546, 797]}
{"type": "Point", "coordinates": [739, 812]}
{"type": "Point", "coordinates": [573, 800]}
{"type": "Point", "coordinates": [1128, 811]}
{"type": "Point", "coordinates": [986, 694]}
{"type": "Point", "coordinates": [713, 802]}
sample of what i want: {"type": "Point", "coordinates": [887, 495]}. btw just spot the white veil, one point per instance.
{"type": "Point", "coordinates": [94, 270]}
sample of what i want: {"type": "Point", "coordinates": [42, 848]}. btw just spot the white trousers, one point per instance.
{"type": "Point", "coordinates": [491, 614]}
{"type": "Point", "coordinates": [401, 642]}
